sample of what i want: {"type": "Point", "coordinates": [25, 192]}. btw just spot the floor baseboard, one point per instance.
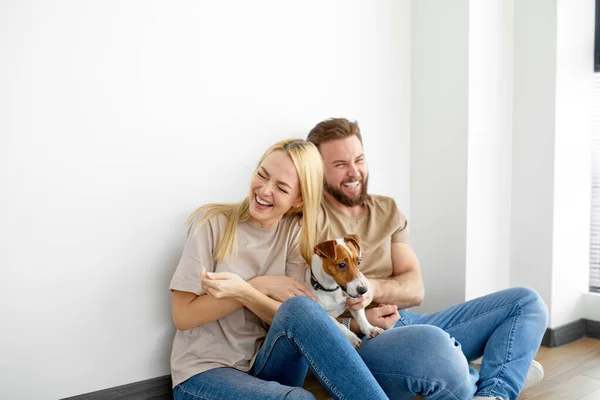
{"type": "Point", "coordinates": [592, 329]}
{"type": "Point", "coordinates": [570, 332]}
{"type": "Point", "coordinates": [151, 389]}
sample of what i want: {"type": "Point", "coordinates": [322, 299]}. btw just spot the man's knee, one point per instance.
{"type": "Point", "coordinates": [441, 352]}
{"type": "Point", "coordinates": [299, 394]}
{"type": "Point", "coordinates": [534, 303]}
{"type": "Point", "coordinates": [417, 348]}
{"type": "Point", "coordinates": [419, 353]}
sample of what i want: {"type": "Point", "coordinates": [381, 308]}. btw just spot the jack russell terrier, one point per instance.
{"type": "Point", "coordinates": [333, 276]}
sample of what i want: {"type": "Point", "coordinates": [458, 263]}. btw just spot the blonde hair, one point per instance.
{"type": "Point", "coordinates": [309, 166]}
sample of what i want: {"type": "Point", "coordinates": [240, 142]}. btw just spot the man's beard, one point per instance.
{"type": "Point", "coordinates": [343, 198]}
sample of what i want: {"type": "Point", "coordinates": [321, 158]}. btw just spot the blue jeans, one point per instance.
{"type": "Point", "coordinates": [301, 335]}
{"type": "Point", "coordinates": [428, 354]}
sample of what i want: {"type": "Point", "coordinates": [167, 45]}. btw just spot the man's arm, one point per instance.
{"type": "Point", "coordinates": [405, 287]}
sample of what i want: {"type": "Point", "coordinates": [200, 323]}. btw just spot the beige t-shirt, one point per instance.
{"type": "Point", "coordinates": [378, 227]}
{"type": "Point", "coordinates": [234, 340]}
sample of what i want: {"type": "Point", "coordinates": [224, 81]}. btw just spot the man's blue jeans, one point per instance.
{"type": "Point", "coordinates": [428, 354]}
{"type": "Point", "coordinates": [301, 336]}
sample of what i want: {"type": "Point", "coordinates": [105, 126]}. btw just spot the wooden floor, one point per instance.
{"type": "Point", "coordinates": [572, 372]}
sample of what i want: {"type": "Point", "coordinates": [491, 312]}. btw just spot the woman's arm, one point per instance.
{"type": "Point", "coordinates": [227, 285]}
{"type": "Point", "coordinates": [261, 305]}
{"type": "Point", "coordinates": [190, 310]}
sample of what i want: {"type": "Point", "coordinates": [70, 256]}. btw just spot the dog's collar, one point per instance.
{"type": "Point", "coordinates": [317, 286]}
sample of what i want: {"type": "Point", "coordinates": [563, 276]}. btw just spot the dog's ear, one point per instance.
{"type": "Point", "coordinates": [355, 240]}
{"type": "Point", "coordinates": [326, 249]}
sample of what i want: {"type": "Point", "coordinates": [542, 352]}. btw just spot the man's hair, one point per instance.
{"type": "Point", "coordinates": [333, 129]}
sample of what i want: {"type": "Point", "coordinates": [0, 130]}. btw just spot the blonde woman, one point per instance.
{"type": "Point", "coordinates": [231, 282]}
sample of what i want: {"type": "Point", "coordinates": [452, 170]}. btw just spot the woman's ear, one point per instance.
{"type": "Point", "coordinates": [298, 203]}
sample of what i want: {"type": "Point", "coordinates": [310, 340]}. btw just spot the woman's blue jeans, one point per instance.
{"type": "Point", "coordinates": [428, 354]}
{"type": "Point", "coordinates": [301, 335]}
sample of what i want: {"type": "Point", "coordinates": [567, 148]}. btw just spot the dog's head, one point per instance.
{"type": "Point", "coordinates": [341, 260]}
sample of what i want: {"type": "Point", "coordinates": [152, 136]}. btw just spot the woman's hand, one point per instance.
{"type": "Point", "coordinates": [222, 285]}
{"type": "Point", "coordinates": [280, 287]}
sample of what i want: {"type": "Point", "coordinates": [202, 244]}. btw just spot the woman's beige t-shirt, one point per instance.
{"type": "Point", "coordinates": [234, 340]}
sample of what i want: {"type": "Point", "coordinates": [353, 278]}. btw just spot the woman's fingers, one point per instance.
{"type": "Point", "coordinates": [214, 293]}
{"type": "Point", "coordinates": [304, 291]}
{"type": "Point", "coordinates": [218, 275]}
{"type": "Point", "coordinates": [301, 290]}
{"type": "Point", "coordinates": [213, 288]}
{"type": "Point", "coordinates": [207, 283]}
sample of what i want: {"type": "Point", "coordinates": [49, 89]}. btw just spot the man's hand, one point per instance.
{"type": "Point", "coordinates": [357, 303]}
{"type": "Point", "coordinates": [280, 287]}
{"type": "Point", "coordinates": [385, 316]}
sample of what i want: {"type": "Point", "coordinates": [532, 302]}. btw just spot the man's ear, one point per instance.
{"type": "Point", "coordinates": [326, 249]}
{"type": "Point", "coordinates": [355, 240]}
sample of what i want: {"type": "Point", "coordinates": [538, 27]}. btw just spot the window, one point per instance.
{"type": "Point", "coordinates": [595, 223]}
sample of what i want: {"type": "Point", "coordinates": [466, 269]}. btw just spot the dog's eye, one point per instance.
{"type": "Point", "coordinates": [341, 266]}
{"type": "Point", "coordinates": [359, 261]}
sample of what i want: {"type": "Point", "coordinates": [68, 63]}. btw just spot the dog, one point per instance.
{"type": "Point", "coordinates": [333, 276]}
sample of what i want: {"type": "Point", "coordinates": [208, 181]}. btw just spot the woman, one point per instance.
{"type": "Point", "coordinates": [230, 283]}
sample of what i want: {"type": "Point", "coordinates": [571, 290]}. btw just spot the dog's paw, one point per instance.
{"type": "Point", "coordinates": [373, 331]}
{"type": "Point", "coordinates": [354, 340]}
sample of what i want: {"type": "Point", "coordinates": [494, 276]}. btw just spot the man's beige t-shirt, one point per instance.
{"type": "Point", "coordinates": [378, 227]}
{"type": "Point", "coordinates": [234, 340]}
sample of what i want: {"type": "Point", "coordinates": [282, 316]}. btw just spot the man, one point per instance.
{"type": "Point", "coordinates": [423, 354]}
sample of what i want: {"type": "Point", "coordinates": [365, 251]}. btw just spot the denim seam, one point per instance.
{"type": "Point", "coordinates": [481, 315]}
{"type": "Point", "coordinates": [197, 395]}
{"type": "Point", "coordinates": [412, 377]}
{"type": "Point", "coordinates": [269, 353]}
{"type": "Point", "coordinates": [309, 359]}
{"type": "Point", "coordinates": [507, 354]}
{"type": "Point", "coordinates": [317, 370]}
{"type": "Point", "coordinates": [516, 302]}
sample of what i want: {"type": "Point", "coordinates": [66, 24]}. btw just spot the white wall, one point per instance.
{"type": "Point", "coordinates": [591, 306]}
{"type": "Point", "coordinates": [552, 153]}
{"type": "Point", "coordinates": [491, 48]}
{"type": "Point", "coordinates": [439, 118]}
{"type": "Point", "coordinates": [514, 209]}
{"type": "Point", "coordinates": [461, 147]}
{"type": "Point", "coordinates": [119, 118]}
{"type": "Point", "coordinates": [572, 168]}
{"type": "Point", "coordinates": [533, 145]}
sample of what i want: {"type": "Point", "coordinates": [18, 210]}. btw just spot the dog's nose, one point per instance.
{"type": "Point", "coordinates": [361, 290]}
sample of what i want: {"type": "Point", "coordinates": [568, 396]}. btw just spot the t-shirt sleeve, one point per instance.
{"type": "Point", "coordinates": [295, 265]}
{"type": "Point", "coordinates": [401, 233]}
{"type": "Point", "coordinates": [197, 253]}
